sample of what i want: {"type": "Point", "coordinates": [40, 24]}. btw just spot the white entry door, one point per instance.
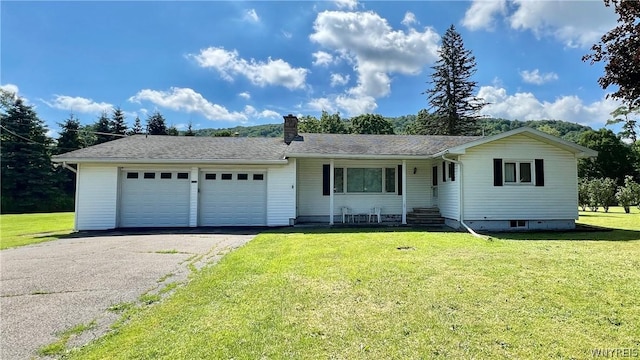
{"type": "Point", "coordinates": [232, 198]}
{"type": "Point", "coordinates": [151, 198]}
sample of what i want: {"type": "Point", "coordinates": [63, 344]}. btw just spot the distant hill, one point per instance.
{"type": "Point", "coordinates": [567, 130]}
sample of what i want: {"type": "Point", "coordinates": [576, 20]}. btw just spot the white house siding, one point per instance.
{"type": "Point", "coordinates": [97, 197]}
{"type": "Point", "coordinates": [419, 184]}
{"type": "Point", "coordinates": [556, 200]}
{"type": "Point", "coordinates": [281, 194]}
{"type": "Point", "coordinates": [311, 202]}
{"type": "Point", "coordinates": [449, 193]}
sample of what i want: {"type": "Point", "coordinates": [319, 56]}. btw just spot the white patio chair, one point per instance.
{"type": "Point", "coordinates": [375, 211]}
{"type": "Point", "coordinates": [346, 213]}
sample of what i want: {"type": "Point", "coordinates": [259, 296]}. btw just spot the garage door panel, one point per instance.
{"type": "Point", "coordinates": [154, 202]}
{"type": "Point", "coordinates": [233, 201]}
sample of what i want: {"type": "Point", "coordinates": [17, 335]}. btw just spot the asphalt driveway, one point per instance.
{"type": "Point", "coordinates": [51, 287]}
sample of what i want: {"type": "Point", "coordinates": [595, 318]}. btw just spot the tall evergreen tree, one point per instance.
{"type": "Point", "coordinates": [422, 124]}
{"type": "Point", "coordinates": [455, 108]}
{"type": "Point", "coordinates": [28, 184]}
{"type": "Point", "coordinates": [69, 136]}
{"type": "Point", "coordinates": [118, 124]}
{"type": "Point", "coordinates": [102, 128]}
{"type": "Point", "coordinates": [68, 140]}
{"type": "Point", "coordinates": [156, 124]}
{"type": "Point", "coordinates": [136, 128]}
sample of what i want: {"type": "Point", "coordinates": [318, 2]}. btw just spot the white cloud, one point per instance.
{"type": "Point", "coordinates": [251, 15]}
{"type": "Point", "coordinates": [287, 34]}
{"type": "Point", "coordinates": [10, 88]}
{"type": "Point", "coordinates": [376, 50]}
{"type": "Point", "coordinates": [271, 72]}
{"type": "Point", "coordinates": [185, 99]}
{"type": "Point", "coordinates": [320, 104]}
{"type": "Point", "coordinates": [535, 77]}
{"type": "Point", "coordinates": [339, 79]}
{"type": "Point", "coordinates": [346, 4]}
{"type": "Point", "coordinates": [78, 104]}
{"type": "Point", "coordinates": [481, 14]}
{"type": "Point", "coordinates": [356, 105]}
{"type": "Point", "coordinates": [322, 58]}
{"type": "Point", "coordinates": [575, 23]}
{"type": "Point", "coordinates": [525, 106]}
{"type": "Point", "coordinates": [245, 95]}
{"type": "Point", "coordinates": [409, 19]}
{"type": "Point", "coordinates": [251, 111]}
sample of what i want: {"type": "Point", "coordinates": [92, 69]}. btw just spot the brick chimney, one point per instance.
{"type": "Point", "coordinates": [290, 128]}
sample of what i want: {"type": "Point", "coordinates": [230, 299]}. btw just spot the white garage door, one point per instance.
{"type": "Point", "coordinates": [229, 198]}
{"type": "Point", "coordinates": [154, 198]}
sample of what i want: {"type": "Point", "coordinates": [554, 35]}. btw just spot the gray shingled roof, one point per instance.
{"type": "Point", "coordinates": [371, 145]}
{"type": "Point", "coordinates": [166, 148]}
{"type": "Point", "coordinates": [155, 148]}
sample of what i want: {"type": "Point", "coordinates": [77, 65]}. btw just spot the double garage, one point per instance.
{"type": "Point", "coordinates": [166, 198]}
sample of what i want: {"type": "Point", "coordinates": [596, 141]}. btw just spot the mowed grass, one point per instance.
{"type": "Point", "coordinates": [25, 229]}
{"type": "Point", "coordinates": [377, 294]}
{"type": "Point", "coordinates": [615, 218]}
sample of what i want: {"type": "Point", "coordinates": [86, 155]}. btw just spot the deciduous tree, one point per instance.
{"type": "Point", "coordinates": [332, 124]}
{"type": "Point", "coordinates": [619, 49]}
{"type": "Point", "coordinates": [371, 124]}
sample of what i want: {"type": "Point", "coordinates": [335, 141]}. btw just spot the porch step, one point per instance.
{"type": "Point", "coordinates": [425, 216]}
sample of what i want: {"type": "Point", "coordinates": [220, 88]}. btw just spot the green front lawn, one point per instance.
{"type": "Point", "coordinates": [25, 229]}
{"type": "Point", "coordinates": [404, 294]}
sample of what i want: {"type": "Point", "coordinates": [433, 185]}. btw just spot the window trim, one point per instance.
{"type": "Point", "coordinates": [517, 181]}
{"type": "Point", "coordinates": [383, 179]}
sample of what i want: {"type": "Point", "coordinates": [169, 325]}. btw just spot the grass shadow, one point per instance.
{"type": "Point", "coordinates": [605, 234]}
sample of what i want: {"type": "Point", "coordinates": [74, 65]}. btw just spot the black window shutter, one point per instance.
{"type": "Point", "coordinates": [434, 176]}
{"type": "Point", "coordinates": [444, 172]}
{"type": "Point", "coordinates": [452, 171]}
{"type": "Point", "coordinates": [326, 180]}
{"type": "Point", "coordinates": [539, 172]}
{"type": "Point", "coordinates": [400, 180]}
{"type": "Point", "coordinates": [497, 172]}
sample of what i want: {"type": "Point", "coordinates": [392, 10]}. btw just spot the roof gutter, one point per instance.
{"type": "Point", "coordinates": [170, 161]}
{"type": "Point", "coordinates": [358, 156]}
{"type": "Point", "coordinates": [461, 198]}
{"type": "Point", "coordinates": [66, 166]}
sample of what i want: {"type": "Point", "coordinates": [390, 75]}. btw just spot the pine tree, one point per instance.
{"type": "Point", "coordinates": [118, 125]}
{"type": "Point", "coordinates": [69, 137]}
{"type": "Point", "coordinates": [68, 140]}
{"type": "Point", "coordinates": [102, 128]}
{"type": "Point", "coordinates": [455, 108]}
{"type": "Point", "coordinates": [28, 183]}
{"type": "Point", "coordinates": [156, 125]}
{"type": "Point", "coordinates": [190, 131]}
{"type": "Point", "coordinates": [137, 127]}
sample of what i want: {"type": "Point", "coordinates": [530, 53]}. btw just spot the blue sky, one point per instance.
{"type": "Point", "coordinates": [221, 64]}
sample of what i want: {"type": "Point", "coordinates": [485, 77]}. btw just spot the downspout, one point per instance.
{"type": "Point", "coordinates": [461, 198]}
